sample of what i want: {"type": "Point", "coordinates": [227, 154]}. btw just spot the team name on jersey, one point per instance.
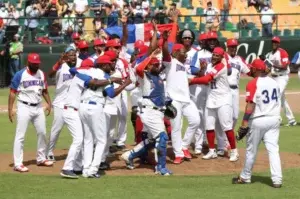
{"type": "Point", "coordinates": [33, 83]}
{"type": "Point", "coordinates": [67, 77]}
{"type": "Point", "coordinates": [236, 66]}
{"type": "Point", "coordinates": [207, 60]}
{"type": "Point", "coordinates": [180, 67]}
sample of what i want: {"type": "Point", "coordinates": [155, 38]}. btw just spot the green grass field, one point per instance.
{"type": "Point", "coordinates": [29, 186]}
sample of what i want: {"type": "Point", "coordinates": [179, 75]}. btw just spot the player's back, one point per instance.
{"type": "Point", "coordinates": [266, 97]}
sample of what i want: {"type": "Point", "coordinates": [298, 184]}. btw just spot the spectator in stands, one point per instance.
{"type": "Point", "coordinates": [212, 20]}
{"type": "Point", "coordinates": [80, 8]}
{"type": "Point", "coordinates": [55, 32]}
{"type": "Point", "coordinates": [33, 12]}
{"type": "Point", "coordinates": [267, 19]}
{"type": "Point", "coordinates": [139, 13]}
{"type": "Point", "coordinates": [224, 6]}
{"type": "Point", "coordinates": [68, 24]}
{"type": "Point", "coordinates": [2, 21]}
{"type": "Point", "coordinates": [146, 5]}
{"type": "Point", "coordinates": [161, 15]}
{"type": "Point", "coordinates": [63, 6]}
{"type": "Point", "coordinates": [96, 6]}
{"type": "Point", "coordinates": [171, 11]}
{"type": "Point", "coordinates": [126, 11]}
{"type": "Point", "coordinates": [97, 22]}
{"type": "Point", "coordinates": [112, 15]}
{"type": "Point", "coordinates": [15, 49]}
{"type": "Point", "coordinates": [51, 12]}
{"type": "Point", "coordinates": [12, 22]}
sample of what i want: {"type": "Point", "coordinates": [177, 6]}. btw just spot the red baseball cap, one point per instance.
{"type": "Point", "coordinates": [111, 54]}
{"type": "Point", "coordinates": [53, 2]}
{"type": "Point", "coordinates": [276, 39]}
{"type": "Point", "coordinates": [75, 35]}
{"type": "Point", "coordinates": [177, 47]}
{"type": "Point", "coordinates": [211, 35]}
{"type": "Point", "coordinates": [87, 63]}
{"type": "Point", "coordinates": [139, 43]}
{"type": "Point", "coordinates": [143, 50]}
{"type": "Point", "coordinates": [232, 42]}
{"type": "Point", "coordinates": [153, 61]}
{"type": "Point", "coordinates": [218, 51]}
{"type": "Point", "coordinates": [258, 64]}
{"type": "Point", "coordinates": [113, 43]}
{"type": "Point", "coordinates": [34, 58]}
{"type": "Point", "coordinates": [104, 59]}
{"type": "Point", "coordinates": [202, 37]}
{"type": "Point", "coordinates": [98, 42]}
{"type": "Point", "coordinates": [83, 44]}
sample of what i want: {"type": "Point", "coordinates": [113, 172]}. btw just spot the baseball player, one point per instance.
{"type": "Point", "coordinates": [83, 47]}
{"type": "Point", "coordinates": [218, 104]}
{"type": "Point", "coordinates": [238, 67]}
{"type": "Point", "coordinates": [76, 39]}
{"type": "Point", "coordinates": [296, 62]}
{"type": "Point", "coordinates": [93, 117]}
{"type": "Point", "coordinates": [30, 86]}
{"type": "Point", "coordinates": [62, 80]}
{"type": "Point", "coordinates": [99, 47]}
{"type": "Point", "coordinates": [178, 90]}
{"type": "Point", "coordinates": [151, 105]}
{"type": "Point", "coordinates": [280, 72]}
{"type": "Point", "coordinates": [71, 116]}
{"type": "Point", "coordinates": [261, 122]}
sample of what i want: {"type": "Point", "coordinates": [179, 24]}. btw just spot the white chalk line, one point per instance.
{"type": "Point", "coordinates": [242, 95]}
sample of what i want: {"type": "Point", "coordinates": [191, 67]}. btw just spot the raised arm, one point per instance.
{"type": "Point", "coordinates": [154, 42]}
{"type": "Point", "coordinates": [142, 66]}
{"type": "Point", "coordinates": [56, 66]}
{"type": "Point", "coordinates": [165, 51]}
{"type": "Point", "coordinates": [125, 31]}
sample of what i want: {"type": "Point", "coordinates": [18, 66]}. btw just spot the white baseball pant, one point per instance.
{"type": "Point", "coordinates": [264, 129]}
{"type": "Point", "coordinates": [95, 131]}
{"type": "Point", "coordinates": [36, 115]}
{"type": "Point", "coordinates": [282, 82]}
{"type": "Point", "coordinates": [111, 122]}
{"type": "Point", "coordinates": [73, 122]}
{"type": "Point", "coordinates": [153, 121]}
{"type": "Point", "coordinates": [222, 114]}
{"type": "Point", "coordinates": [189, 110]}
{"type": "Point", "coordinates": [122, 124]}
{"type": "Point", "coordinates": [57, 125]}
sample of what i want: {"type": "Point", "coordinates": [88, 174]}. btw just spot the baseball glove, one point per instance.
{"type": "Point", "coordinates": [170, 112]}
{"type": "Point", "coordinates": [242, 132]}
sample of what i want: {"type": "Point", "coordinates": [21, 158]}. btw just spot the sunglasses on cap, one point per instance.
{"type": "Point", "coordinates": [187, 38]}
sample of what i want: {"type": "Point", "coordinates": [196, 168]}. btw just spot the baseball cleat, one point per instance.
{"type": "Point", "coordinates": [45, 163]}
{"type": "Point", "coordinates": [234, 156]}
{"type": "Point", "coordinates": [210, 155]}
{"type": "Point", "coordinates": [197, 152]}
{"type": "Point", "coordinates": [122, 148]}
{"type": "Point", "coordinates": [77, 172]}
{"type": "Point", "coordinates": [239, 180]}
{"type": "Point", "coordinates": [129, 162]}
{"type": "Point", "coordinates": [292, 123]}
{"type": "Point", "coordinates": [163, 171]}
{"type": "Point", "coordinates": [276, 185]}
{"type": "Point", "coordinates": [104, 166]}
{"type": "Point", "coordinates": [21, 169]}
{"type": "Point", "coordinates": [68, 174]}
{"type": "Point", "coordinates": [178, 160]}
{"type": "Point", "coordinates": [95, 175]}
{"type": "Point", "coordinates": [187, 154]}
{"type": "Point", "coordinates": [221, 153]}
{"type": "Point", "coordinates": [51, 158]}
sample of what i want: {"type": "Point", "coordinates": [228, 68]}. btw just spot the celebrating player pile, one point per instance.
{"type": "Point", "coordinates": [167, 80]}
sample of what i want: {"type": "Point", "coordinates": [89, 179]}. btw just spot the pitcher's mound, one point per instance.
{"type": "Point", "coordinates": [196, 166]}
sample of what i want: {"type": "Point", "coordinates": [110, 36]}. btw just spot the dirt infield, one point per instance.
{"type": "Point", "coordinates": [196, 166]}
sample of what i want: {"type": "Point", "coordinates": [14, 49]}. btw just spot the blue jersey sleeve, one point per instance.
{"type": "Point", "coordinates": [16, 81]}
{"type": "Point", "coordinates": [109, 91]}
{"type": "Point", "coordinates": [296, 58]}
{"type": "Point", "coordinates": [194, 69]}
{"type": "Point", "coordinates": [73, 71]}
{"type": "Point", "coordinates": [84, 78]}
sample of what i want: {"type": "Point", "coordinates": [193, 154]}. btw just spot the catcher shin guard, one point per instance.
{"type": "Point", "coordinates": [161, 154]}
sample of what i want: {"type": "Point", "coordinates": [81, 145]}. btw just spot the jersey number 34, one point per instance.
{"type": "Point", "coordinates": [267, 97]}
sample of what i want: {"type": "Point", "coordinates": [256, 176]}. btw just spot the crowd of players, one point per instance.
{"type": "Point", "coordinates": [200, 83]}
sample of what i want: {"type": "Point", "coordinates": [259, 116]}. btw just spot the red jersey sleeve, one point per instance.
{"type": "Point", "coordinates": [141, 67]}
{"type": "Point", "coordinates": [250, 90]}
{"type": "Point", "coordinates": [284, 58]}
{"type": "Point", "coordinates": [216, 70]}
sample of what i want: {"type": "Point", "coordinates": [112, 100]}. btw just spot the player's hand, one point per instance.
{"type": "Point", "coordinates": [203, 65]}
{"type": "Point", "coordinates": [154, 24]}
{"type": "Point", "coordinates": [175, 16]}
{"type": "Point", "coordinates": [190, 80]}
{"type": "Point", "coordinates": [127, 81]}
{"type": "Point", "coordinates": [116, 80]}
{"type": "Point", "coordinates": [124, 19]}
{"type": "Point", "coordinates": [156, 52]}
{"type": "Point", "coordinates": [48, 109]}
{"type": "Point", "coordinates": [11, 115]}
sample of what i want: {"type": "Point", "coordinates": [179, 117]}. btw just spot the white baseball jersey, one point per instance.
{"type": "Point", "coordinates": [177, 85]}
{"type": "Point", "coordinates": [29, 86]}
{"type": "Point", "coordinates": [219, 92]}
{"type": "Point", "coordinates": [296, 59]}
{"type": "Point", "coordinates": [190, 54]}
{"type": "Point", "coordinates": [122, 66]}
{"type": "Point", "coordinates": [95, 95]}
{"type": "Point", "coordinates": [238, 66]}
{"type": "Point", "coordinates": [75, 90]}
{"type": "Point", "coordinates": [124, 55]}
{"type": "Point", "coordinates": [279, 58]}
{"type": "Point", "coordinates": [265, 93]}
{"type": "Point", "coordinates": [78, 62]}
{"type": "Point", "coordinates": [112, 105]}
{"type": "Point", "coordinates": [62, 80]}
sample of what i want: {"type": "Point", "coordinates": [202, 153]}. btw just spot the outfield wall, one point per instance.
{"type": "Point", "coordinates": [249, 49]}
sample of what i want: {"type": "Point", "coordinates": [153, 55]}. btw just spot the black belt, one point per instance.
{"type": "Point", "coordinates": [277, 75]}
{"type": "Point", "coordinates": [155, 108]}
{"type": "Point", "coordinates": [68, 107]}
{"type": "Point", "coordinates": [233, 86]}
{"type": "Point", "coordinates": [29, 104]}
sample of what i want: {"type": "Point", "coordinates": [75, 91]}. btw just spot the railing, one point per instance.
{"type": "Point", "coordinates": [284, 26]}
